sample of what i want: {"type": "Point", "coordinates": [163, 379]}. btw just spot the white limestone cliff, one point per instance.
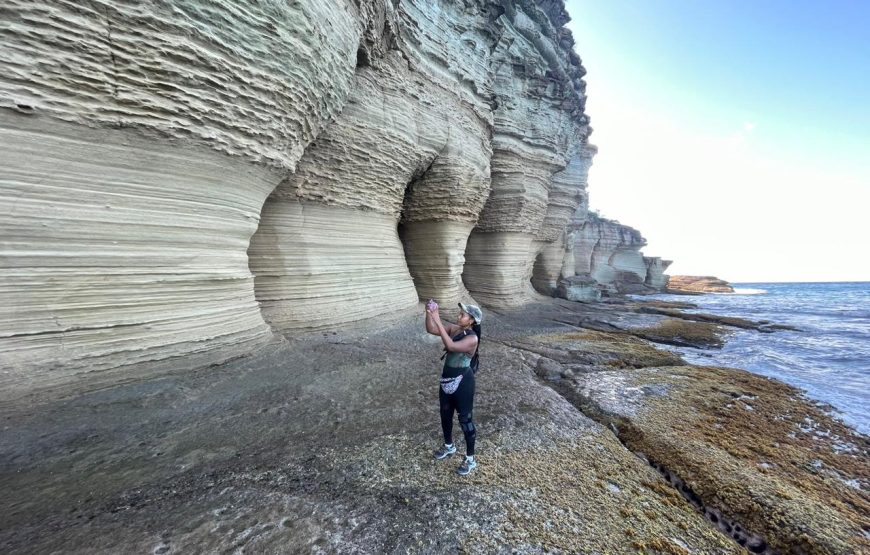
{"type": "Point", "coordinates": [567, 197]}
{"type": "Point", "coordinates": [655, 272]}
{"type": "Point", "coordinates": [140, 142]}
{"type": "Point", "coordinates": [539, 127]}
{"type": "Point", "coordinates": [405, 146]}
{"type": "Point", "coordinates": [610, 253]}
{"type": "Point", "coordinates": [179, 179]}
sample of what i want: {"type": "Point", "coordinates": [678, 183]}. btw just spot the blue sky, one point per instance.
{"type": "Point", "coordinates": [734, 134]}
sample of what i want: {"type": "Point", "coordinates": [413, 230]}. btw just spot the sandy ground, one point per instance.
{"type": "Point", "coordinates": [322, 444]}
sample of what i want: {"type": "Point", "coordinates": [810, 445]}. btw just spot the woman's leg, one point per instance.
{"type": "Point", "coordinates": [464, 397]}
{"type": "Point", "coordinates": [446, 416]}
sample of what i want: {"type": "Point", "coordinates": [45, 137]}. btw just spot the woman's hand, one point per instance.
{"type": "Point", "coordinates": [433, 320]}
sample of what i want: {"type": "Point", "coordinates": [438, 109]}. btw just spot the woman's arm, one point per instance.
{"type": "Point", "coordinates": [465, 345]}
{"type": "Point", "coordinates": [431, 328]}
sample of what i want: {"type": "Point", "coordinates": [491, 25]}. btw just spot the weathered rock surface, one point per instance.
{"type": "Point", "coordinates": [397, 129]}
{"type": "Point", "coordinates": [119, 250]}
{"type": "Point", "coordinates": [655, 272]}
{"type": "Point", "coordinates": [699, 284]}
{"type": "Point", "coordinates": [768, 467]}
{"type": "Point", "coordinates": [144, 140]}
{"type": "Point", "coordinates": [539, 130]}
{"type": "Point", "coordinates": [404, 153]}
{"type": "Point", "coordinates": [765, 465]}
{"type": "Point", "coordinates": [258, 82]}
{"type": "Point", "coordinates": [553, 247]}
{"type": "Point", "coordinates": [140, 141]}
{"type": "Point", "coordinates": [292, 449]}
{"type": "Point", "coordinates": [578, 288]}
{"type": "Point", "coordinates": [342, 265]}
{"type": "Point", "coordinates": [609, 252]}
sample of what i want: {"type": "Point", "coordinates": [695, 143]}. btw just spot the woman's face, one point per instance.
{"type": "Point", "coordinates": [465, 319]}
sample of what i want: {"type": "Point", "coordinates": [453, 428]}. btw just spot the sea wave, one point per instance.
{"type": "Point", "coordinates": [748, 291]}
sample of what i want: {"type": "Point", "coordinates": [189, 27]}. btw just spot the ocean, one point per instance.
{"type": "Point", "coordinates": [829, 358]}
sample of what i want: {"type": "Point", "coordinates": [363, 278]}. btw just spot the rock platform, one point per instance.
{"type": "Point", "coordinates": [321, 443]}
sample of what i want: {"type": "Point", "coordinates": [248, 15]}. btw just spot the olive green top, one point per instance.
{"type": "Point", "coordinates": [458, 360]}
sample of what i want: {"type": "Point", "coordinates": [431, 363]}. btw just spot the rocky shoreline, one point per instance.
{"type": "Point", "coordinates": [320, 443]}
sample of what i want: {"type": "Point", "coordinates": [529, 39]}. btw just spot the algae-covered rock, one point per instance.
{"type": "Point", "coordinates": [676, 331]}
{"type": "Point", "coordinates": [750, 449]}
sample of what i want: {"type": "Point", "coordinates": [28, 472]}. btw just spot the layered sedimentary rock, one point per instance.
{"type": "Point", "coordinates": [406, 145]}
{"type": "Point", "coordinates": [552, 245]}
{"type": "Point", "coordinates": [131, 251]}
{"type": "Point", "coordinates": [148, 143]}
{"type": "Point", "coordinates": [578, 288]}
{"type": "Point", "coordinates": [609, 252]}
{"type": "Point", "coordinates": [699, 284]}
{"type": "Point", "coordinates": [655, 272]}
{"type": "Point", "coordinates": [539, 127]}
{"type": "Point", "coordinates": [413, 144]}
{"type": "Point", "coordinates": [139, 144]}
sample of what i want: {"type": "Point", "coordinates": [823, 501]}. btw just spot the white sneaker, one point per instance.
{"type": "Point", "coordinates": [466, 467]}
{"type": "Point", "coordinates": [444, 452]}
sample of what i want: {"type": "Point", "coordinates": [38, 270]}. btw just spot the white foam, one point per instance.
{"type": "Point", "coordinates": [748, 291]}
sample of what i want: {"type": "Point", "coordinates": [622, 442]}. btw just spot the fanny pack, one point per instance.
{"type": "Point", "coordinates": [450, 385]}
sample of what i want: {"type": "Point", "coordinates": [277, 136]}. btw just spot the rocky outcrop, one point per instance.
{"type": "Point", "coordinates": [698, 284]}
{"type": "Point", "coordinates": [655, 272]}
{"type": "Point", "coordinates": [181, 174]}
{"type": "Point", "coordinates": [609, 252]}
{"type": "Point", "coordinates": [552, 246]}
{"type": "Point", "coordinates": [120, 250]}
{"type": "Point", "coordinates": [578, 288]}
{"type": "Point", "coordinates": [401, 147]}
{"type": "Point", "coordinates": [762, 463]}
{"type": "Point", "coordinates": [539, 129]}
{"type": "Point", "coordinates": [262, 456]}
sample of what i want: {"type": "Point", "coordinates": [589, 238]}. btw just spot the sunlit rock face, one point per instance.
{"type": "Point", "coordinates": [140, 141]}
{"type": "Point", "coordinates": [609, 252]}
{"type": "Point", "coordinates": [538, 127]}
{"type": "Point", "coordinates": [257, 81]}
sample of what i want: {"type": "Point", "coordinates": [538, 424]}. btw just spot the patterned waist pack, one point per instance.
{"type": "Point", "coordinates": [450, 385]}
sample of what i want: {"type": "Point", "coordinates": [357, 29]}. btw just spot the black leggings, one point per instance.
{"type": "Point", "coordinates": [461, 401]}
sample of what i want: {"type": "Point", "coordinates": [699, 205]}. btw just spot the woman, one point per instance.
{"type": "Point", "coordinates": [457, 379]}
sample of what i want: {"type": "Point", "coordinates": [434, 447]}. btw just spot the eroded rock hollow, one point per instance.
{"type": "Point", "coordinates": [539, 126]}
{"type": "Point", "coordinates": [140, 142]}
{"type": "Point", "coordinates": [411, 145]}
